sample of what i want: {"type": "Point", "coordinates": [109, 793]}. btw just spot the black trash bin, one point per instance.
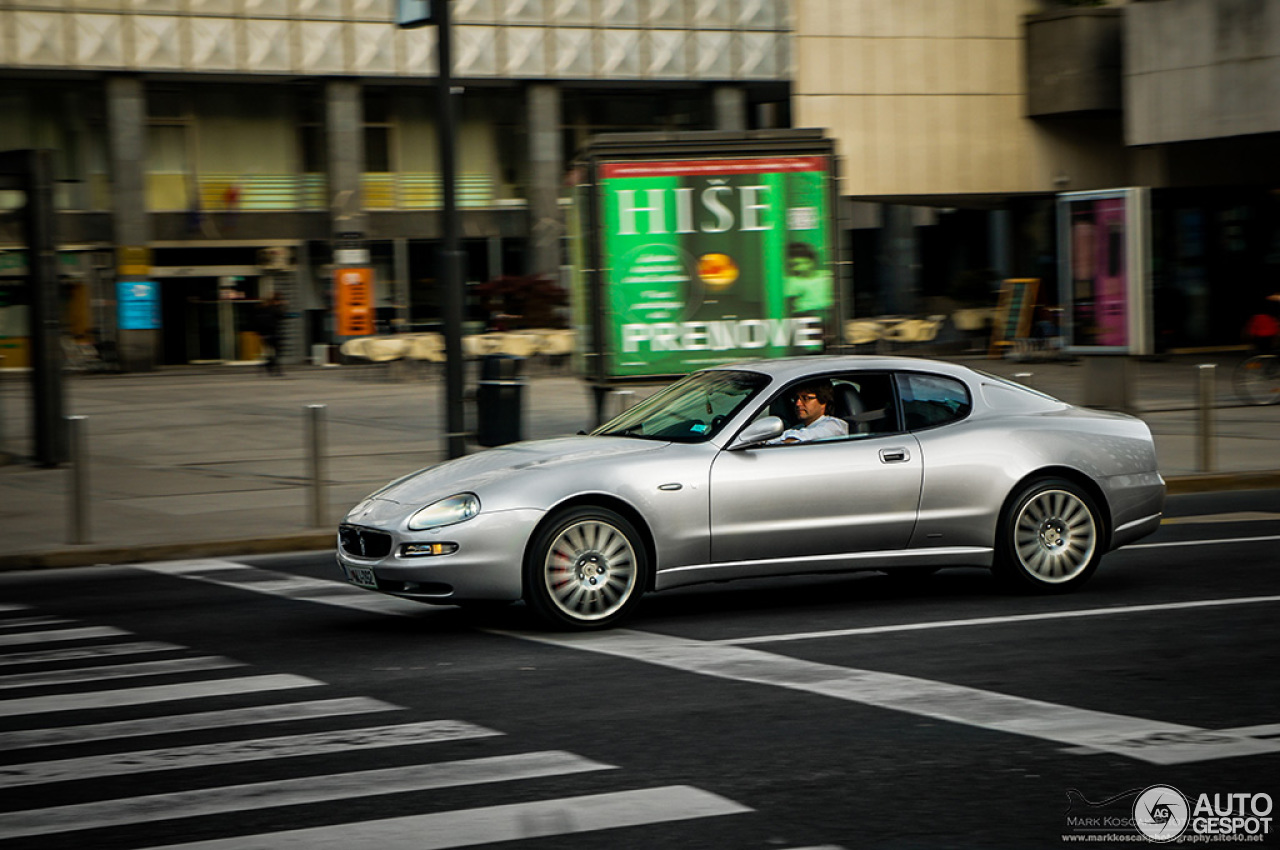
{"type": "Point", "coordinates": [499, 401]}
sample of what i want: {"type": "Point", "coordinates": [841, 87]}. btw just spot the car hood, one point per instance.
{"type": "Point", "coordinates": [474, 472]}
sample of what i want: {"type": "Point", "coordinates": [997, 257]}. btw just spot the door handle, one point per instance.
{"type": "Point", "coordinates": [894, 455]}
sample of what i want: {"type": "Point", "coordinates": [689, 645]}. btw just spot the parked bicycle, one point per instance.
{"type": "Point", "coordinates": [1257, 380]}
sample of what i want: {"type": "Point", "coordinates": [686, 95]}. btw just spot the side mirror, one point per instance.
{"type": "Point", "coordinates": [760, 431]}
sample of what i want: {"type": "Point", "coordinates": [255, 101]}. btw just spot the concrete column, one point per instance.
{"type": "Point", "coordinates": [901, 267]}
{"type": "Point", "coordinates": [400, 273]}
{"type": "Point", "coordinates": [138, 337]}
{"type": "Point", "coordinates": [730, 103]}
{"type": "Point", "coordinates": [1000, 246]}
{"type": "Point", "coordinates": [494, 246]}
{"type": "Point", "coordinates": [546, 168]}
{"type": "Point", "coordinates": [344, 136]}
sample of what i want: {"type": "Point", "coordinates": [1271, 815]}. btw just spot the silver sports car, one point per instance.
{"type": "Point", "coordinates": [927, 464]}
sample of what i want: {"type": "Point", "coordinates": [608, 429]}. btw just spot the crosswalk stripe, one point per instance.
{"type": "Point", "coordinates": [85, 653]}
{"type": "Point", "coordinates": [56, 635]}
{"type": "Point", "coordinates": [258, 580]}
{"type": "Point", "coordinates": [7, 607]}
{"type": "Point", "coordinates": [154, 693]}
{"type": "Point", "coordinates": [293, 792]}
{"type": "Point", "coordinates": [512, 822]}
{"type": "Point", "coordinates": [27, 622]}
{"type": "Point", "coordinates": [175, 723]}
{"type": "Point", "coordinates": [115, 671]}
{"type": "Point", "coordinates": [1148, 740]}
{"type": "Point", "coordinates": [231, 752]}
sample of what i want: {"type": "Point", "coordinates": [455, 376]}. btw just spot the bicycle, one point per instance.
{"type": "Point", "coordinates": [1257, 380]}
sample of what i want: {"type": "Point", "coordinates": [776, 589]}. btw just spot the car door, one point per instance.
{"type": "Point", "coordinates": [792, 504]}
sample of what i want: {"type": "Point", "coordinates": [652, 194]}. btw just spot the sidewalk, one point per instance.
{"type": "Point", "coordinates": [208, 461]}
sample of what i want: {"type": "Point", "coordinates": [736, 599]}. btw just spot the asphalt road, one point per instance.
{"type": "Point", "coordinates": [856, 711]}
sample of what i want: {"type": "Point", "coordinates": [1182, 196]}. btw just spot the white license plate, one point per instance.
{"type": "Point", "coordinates": [360, 576]}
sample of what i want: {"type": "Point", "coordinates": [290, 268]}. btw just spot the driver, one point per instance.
{"type": "Point", "coordinates": [812, 400]}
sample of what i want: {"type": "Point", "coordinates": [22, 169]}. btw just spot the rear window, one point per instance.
{"type": "Point", "coordinates": [932, 400]}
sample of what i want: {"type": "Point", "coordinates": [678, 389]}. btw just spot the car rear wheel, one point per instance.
{"type": "Point", "coordinates": [586, 569]}
{"type": "Point", "coordinates": [1050, 538]}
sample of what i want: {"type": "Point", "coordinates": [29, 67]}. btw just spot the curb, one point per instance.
{"type": "Point", "coordinates": [315, 541]}
{"type": "Point", "coordinates": [1218, 482]}
{"type": "Point", "coordinates": [90, 556]}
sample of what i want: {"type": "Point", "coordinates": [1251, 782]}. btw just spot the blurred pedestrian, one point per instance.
{"type": "Point", "coordinates": [268, 323]}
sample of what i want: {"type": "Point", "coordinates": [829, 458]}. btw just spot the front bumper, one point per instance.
{"type": "Point", "coordinates": [487, 563]}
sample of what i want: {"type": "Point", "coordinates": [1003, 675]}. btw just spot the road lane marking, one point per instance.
{"type": "Point", "coordinates": [1262, 730]}
{"type": "Point", "coordinates": [293, 792]}
{"type": "Point", "coordinates": [177, 723]}
{"type": "Point", "coordinates": [996, 621]}
{"type": "Point", "coordinates": [116, 671]}
{"type": "Point", "coordinates": [1218, 542]}
{"type": "Point", "coordinates": [155, 693]}
{"type": "Point", "coordinates": [1147, 740]}
{"type": "Point", "coordinates": [491, 824]}
{"type": "Point", "coordinates": [235, 752]}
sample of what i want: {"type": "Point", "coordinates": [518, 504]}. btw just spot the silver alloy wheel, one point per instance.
{"type": "Point", "coordinates": [1055, 535]}
{"type": "Point", "coordinates": [590, 570]}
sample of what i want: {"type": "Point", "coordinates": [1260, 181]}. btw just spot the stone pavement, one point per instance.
{"type": "Point", "coordinates": [207, 461]}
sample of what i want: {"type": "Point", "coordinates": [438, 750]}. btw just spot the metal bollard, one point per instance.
{"type": "Point", "coordinates": [1204, 442]}
{"type": "Point", "coordinates": [78, 502]}
{"type": "Point", "coordinates": [622, 400]}
{"type": "Point", "coordinates": [317, 499]}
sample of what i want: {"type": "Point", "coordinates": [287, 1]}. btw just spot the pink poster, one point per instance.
{"type": "Point", "coordinates": [1099, 282]}
{"type": "Point", "coordinates": [1110, 281]}
{"type": "Point", "coordinates": [1104, 244]}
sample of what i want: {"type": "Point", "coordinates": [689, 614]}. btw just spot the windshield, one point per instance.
{"type": "Point", "coordinates": [691, 410]}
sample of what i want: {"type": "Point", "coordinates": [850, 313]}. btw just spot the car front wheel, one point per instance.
{"type": "Point", "coordinates": [1050, 538]}
{"type": "Point", "coordinates": [586, 569]}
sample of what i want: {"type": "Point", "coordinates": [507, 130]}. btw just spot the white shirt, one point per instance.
{"type": "Point", "coordinates": [822, 428]}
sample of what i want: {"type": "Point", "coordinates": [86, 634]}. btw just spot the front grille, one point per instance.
{"type": "Point", "coordinates": [364, 542]}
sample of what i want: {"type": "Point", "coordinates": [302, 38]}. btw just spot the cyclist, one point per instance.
{"type": "Point", "coordinates": [1262, 329]}
{"type": "Point", "coordinates": [1257, 379]}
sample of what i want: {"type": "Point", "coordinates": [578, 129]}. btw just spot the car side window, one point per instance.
{"type": "Point", "coordinates": [864, 401]}
{"type": "Point", "coordinates": [931, 400]}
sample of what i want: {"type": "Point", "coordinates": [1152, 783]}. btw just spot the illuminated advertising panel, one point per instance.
{"type": "Point", "coordinates": [138, 304]}
{"type": "Point", "coordinates": [709, 261]}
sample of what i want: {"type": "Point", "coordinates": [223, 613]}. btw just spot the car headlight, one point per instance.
{"type": "Point", "coordinates": [448, 511]}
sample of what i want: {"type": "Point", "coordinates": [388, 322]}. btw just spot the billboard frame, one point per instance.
{"type": "Point", "coordinates": [1081, 297]}
{"type": "Point", "coordinates": [714, 156]}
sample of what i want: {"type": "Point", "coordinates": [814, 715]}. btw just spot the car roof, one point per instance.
{"type": "Point", "coordinates": [790, 368]}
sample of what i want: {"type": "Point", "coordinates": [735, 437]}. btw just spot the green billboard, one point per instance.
{"type": "Point", "coordinates": [711, 260]}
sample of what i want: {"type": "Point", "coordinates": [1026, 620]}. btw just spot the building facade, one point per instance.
{"type": "Point", "coordinates": [222, 149]}
{"type": "Point", "coordinates": [212, 151]}
{"type": "Point", "coordinates": [961, 122]}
